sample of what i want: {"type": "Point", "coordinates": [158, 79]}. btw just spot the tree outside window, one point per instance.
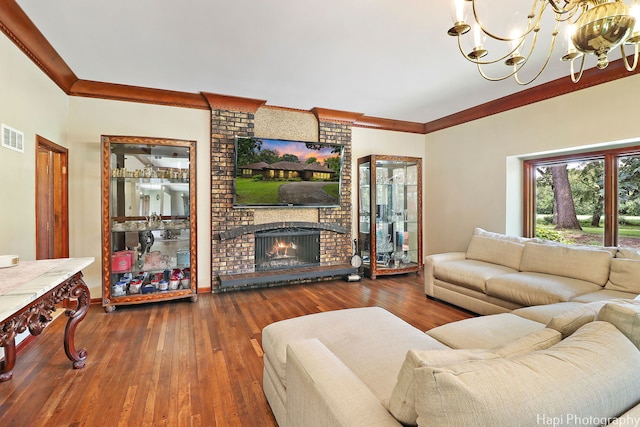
{"type": "Point", "coordinates": [586, 199]}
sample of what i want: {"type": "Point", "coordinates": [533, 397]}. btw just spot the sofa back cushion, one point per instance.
{"type": "Point", "coordinates": [628, 252]}
{"type": "Point", "coordinates": [402, 403]}
{"type": "Point", "coordinates": [590, 376]}
{"type": "Point", "coordinates": [591, 265]}
{"type": "Point", "coordinates": [499, 236]}
{"type": "Point", "coordinates": [624, 275]}
{"type": "Point", "coordinates": [495, 251]}
{"type": "Point", "coordinates": [571, 320]}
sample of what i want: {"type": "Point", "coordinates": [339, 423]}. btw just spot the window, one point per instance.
{"type": "Point", "coordinates": [587, 199]}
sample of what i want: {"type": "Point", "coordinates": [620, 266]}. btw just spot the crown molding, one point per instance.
{"type": "Point", "coordinates": [335, 116]}
{"type": "Point", "coordinates": [234, 103]}
{"type": "Point", "coordinates": [552, 89]}
{"type": "Point", "coordinates": [24, 34]}
{"type": "Point", "coordinates": [389, 124]}
{"type": "Point", "coordinates": [91, 89]}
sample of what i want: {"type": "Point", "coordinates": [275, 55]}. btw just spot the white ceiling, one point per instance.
{"type": "Point", "coordinates": [383, 58]}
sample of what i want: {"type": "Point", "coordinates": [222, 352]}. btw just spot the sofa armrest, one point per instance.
{"type": "Point", "coordinates": [323, 392]}
{"type": "Point", "coordinates": [431, 260]}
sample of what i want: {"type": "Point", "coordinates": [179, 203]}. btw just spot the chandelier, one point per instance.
{"type": "Point", "coordinates": [586, 27]}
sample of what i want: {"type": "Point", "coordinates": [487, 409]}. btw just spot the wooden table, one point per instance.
{"type": "Point", "coordinates": [29, 292]}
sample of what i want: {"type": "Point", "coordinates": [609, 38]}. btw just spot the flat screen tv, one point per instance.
{"type": "Point", "coordinates": [277, 172]}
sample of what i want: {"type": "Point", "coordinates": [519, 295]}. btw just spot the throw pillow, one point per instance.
{"type": "Point", "coordinates": [624, 315]}
{"type": "Point", "coordinates": [495, 251]}
{"type": "Point", "coordinates": [624, 275]}
{"type": "Point", "coordinates": [590, 376]}
{"type": "Point", "coordinates": [402, 402]}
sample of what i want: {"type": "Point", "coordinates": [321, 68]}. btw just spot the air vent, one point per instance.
{"type": "Point", "coordinates": [12, 138]}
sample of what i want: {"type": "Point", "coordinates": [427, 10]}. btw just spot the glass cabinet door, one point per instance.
{"type": "Point", "coordinates": [390, 214]}
{"type": "Point", "coordinates": [149, 238]}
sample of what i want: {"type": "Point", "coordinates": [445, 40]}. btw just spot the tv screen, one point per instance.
{"type": "Point", "coordinates": [276, 172]}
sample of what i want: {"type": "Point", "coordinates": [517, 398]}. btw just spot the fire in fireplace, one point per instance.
{"type": "Point", "coordinates": [287, 248]}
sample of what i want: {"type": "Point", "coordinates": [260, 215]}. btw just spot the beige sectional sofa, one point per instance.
{"type": "Point", "coordinates": [367, 367]}
{"type": "Point", "coordinates": [500, 273]}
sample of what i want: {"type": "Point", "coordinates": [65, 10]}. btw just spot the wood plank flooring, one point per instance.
{"type": "Point", "coordinates": [181, 363]}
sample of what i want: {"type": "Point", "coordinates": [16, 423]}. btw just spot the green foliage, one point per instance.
{"type": "Point", "coordinates": [553, 235]}
{"type": "Point", "coordinates": [257, 177]}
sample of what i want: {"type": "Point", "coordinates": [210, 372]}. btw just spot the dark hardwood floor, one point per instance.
{"type": "Point", "coordinates": [181, 363]}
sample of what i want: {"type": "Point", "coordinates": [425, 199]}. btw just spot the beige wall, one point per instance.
{"type": "Point", "coordinates": [473, 170]}
{"type": "Point", "coordinates": [369, 141]}
{"type": "Point", "coordinates": [91, 118]}
{"type": "Point", "coordinates": [31, 103]}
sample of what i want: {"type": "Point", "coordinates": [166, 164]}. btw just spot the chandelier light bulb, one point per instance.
{"type": "Point", "coordinates": [459, 12]}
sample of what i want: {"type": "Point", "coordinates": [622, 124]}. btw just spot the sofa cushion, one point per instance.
{"type": "Point", "coordinates": [469, 273]}
{"type": "Point", "coordinates": [495, 251]}
{"type": "Point", "coordinates": [544, 313]}
{"type": "Point", "coordinates": [602, 295]}
{"type": "Point", "coordinates": [624, 315]}
{"type": "Point", "coordinates": [529, 288]}
{"type": "Point", "coordinates": [624, 275]}
{"type": "Point", "coordinates": [571, 320]}
{"type": "Point", "coordinates": [593, 374]}
{"type": "Point", "coordinates": [591, 265]}
{"type": "Point", "coordinates": [486, 332]}
{"type": "Point", "coordinates": [402, 404]}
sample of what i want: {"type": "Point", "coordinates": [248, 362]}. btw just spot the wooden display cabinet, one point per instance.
{"type": "Point", "coordinates": [390, 214]}
{"type": "Point", "coordinates": [148, 220]}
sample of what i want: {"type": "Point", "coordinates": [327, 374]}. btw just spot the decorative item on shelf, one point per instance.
{"type": "Point", "coordinates": [183, 258]}
{"type": "Point", "coordinates": [587, 27]}
{"type": "Point", "coordinates": [155, 260]}
{"type": "Point", "coordinates": [122, 261]}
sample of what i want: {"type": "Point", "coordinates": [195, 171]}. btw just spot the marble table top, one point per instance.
{"type": "Point", "coordinates": [29, 280]}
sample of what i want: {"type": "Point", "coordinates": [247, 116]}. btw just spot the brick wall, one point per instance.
{"type": "Point", "coordinates": [236, 255]}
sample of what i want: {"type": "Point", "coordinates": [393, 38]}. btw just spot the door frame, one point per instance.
{"type": "Point", "coordinates": [55, 195]}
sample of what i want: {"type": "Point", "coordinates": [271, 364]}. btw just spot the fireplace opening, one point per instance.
{"type": "Point", "coordinates": [287, 248]}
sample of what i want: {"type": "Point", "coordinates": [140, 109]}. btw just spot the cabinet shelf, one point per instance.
{"type": "Point", "coordinates": [149, 241]}
{"type": "Point", "coordinates": [390, 214]}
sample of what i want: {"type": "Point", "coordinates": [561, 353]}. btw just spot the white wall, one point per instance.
{"type": "Point", "coordinates": [31, 103]}
{"type": "Point", "coordinates": [473, 170]}
{"type": "Point", "coordinates": [91, 118]}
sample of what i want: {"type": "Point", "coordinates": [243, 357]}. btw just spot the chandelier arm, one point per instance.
{"type": "Point", "coordinates": [528, 30]}
{"type": "Point", "coordinates": [572, 6]}
{"type": "Point", "coordinates": [494, 79]}
{"type": "Point", "coordinates": [573, 74]}
{"type": "Point", "coordinates": [635, 57]}
{"type": "Point", "coordinates": [546, 62]}
{"type": "Point", "coordinates": [478, 61]}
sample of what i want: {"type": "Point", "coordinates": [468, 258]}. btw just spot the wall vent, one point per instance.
{"type": "Point", "coordinates": [12, 138]}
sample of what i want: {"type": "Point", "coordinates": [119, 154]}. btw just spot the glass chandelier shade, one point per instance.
{"type": "Point", "coordinates": [589, 27]}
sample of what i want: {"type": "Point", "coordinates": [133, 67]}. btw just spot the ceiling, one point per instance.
{"type": "Point", "coordinates": [383, 58]}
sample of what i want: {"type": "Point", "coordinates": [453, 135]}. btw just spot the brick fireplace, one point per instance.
{"type": "Point", "coordinates": [233, 243]}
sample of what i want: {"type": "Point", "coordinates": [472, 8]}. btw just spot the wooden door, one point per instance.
{"type": "Point", "coordinates": [52, 213]}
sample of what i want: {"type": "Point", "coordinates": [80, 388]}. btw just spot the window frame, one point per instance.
{"type": "Point", "coordinates": [609, 157]}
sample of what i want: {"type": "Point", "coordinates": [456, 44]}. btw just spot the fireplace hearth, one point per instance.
{"type": "Point", "coordinates": [287, 248]}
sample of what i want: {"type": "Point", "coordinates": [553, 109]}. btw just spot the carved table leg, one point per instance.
{"type": "Point", "coordinates": [6, 367]}
{"type": "Point", "coordinates": [80, 291]}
